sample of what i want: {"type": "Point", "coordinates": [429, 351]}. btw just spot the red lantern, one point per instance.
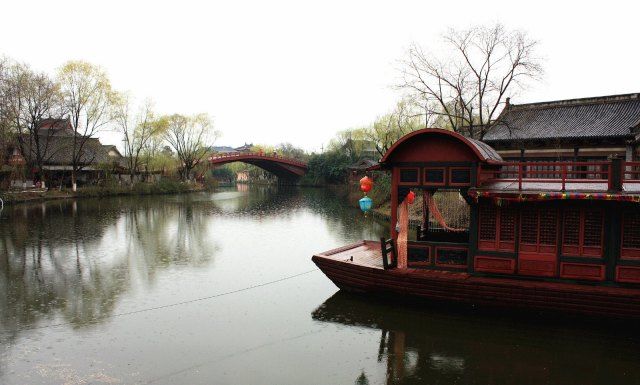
{"type": "Point", "coordinates": [365, 188]}
{"type": "Point", "coordinates": [411, 197]}
{"type": "Point", "coordinates": [366, 181]}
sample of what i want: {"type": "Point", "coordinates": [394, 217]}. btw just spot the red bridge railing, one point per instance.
{"type": "Point", "coordinates": [611, 175]}
{"type": "Point", "coordinates": [232, 155]}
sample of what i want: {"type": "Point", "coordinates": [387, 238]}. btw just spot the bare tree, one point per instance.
{"type": "Point", "coordinates": [30, 99]}
{"type": "Point", "coordinates": [189, 137]}
{"type": "Point", "coordinates": [137, 129]}
{"type": "Point", "coordinates": [485, 66]}
{"type": "Point", "coordinates": [87, 98]}
{"type": "Point", "coordinates": [5, 131]}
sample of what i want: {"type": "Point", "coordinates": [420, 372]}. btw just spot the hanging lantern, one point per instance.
{"type": "Point", "coordinates": [366, 181]}
{"type": "Point", "coordinates": [365, 188]}
{"type": "Point", "coordinates": [365, 204]}
{"type": "Point", "coordinates": [411, 197]}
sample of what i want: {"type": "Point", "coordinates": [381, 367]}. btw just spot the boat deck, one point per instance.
{"type": "Point", "coordinates": [364, 253]}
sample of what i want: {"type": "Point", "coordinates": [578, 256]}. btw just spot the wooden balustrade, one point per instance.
{"type": "Point", "coordinates": [562, 173]}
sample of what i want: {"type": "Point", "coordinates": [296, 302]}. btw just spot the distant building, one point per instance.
{"type": "Point", "coordinates": [222, 150]}
{"type": "Point", "coordinates": [55, 139]}
{"type": "Point", "coordinates": [361, 149]}
{"type": "Point", "coordinates": [586, 129]}
{"type": "Point", "coordinates": [359, 169]}
{"type": "Point", "coordinates": [244, 148]}
{"type": "Point", "coordinates": [242, 177]}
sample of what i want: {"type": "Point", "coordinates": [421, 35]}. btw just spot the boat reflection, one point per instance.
{"type": "Point", "coordinates": [443, 346]}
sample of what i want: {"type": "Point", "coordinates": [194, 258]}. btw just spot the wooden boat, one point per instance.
{"type": "Point", "coordinates": [558, 236]}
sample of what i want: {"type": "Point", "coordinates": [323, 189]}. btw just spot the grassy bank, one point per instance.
{"type": "Point", "coordinates": [165, 186]}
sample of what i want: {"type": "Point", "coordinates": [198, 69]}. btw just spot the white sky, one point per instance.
{"type": "Point", "coordinates": [271, 71]}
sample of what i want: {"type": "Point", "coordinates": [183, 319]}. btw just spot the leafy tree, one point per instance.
{"type": "Point", "coordinates": [290, 151]}
{"type": "Point", "coordinates": [329, 167]}
{"type": "Point", "coordinates": [87, 98]}
{"type": "Point", "coordinates": [387, 129]}
{"type": "Point", "coordinates": [189, 137]}
{"type": "Point", "coordinates": [29, 98]}
{"type": "Point", "coordinates": [137, 129]}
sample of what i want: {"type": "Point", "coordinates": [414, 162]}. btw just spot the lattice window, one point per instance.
{"type": "Point", "coordinates": [488, 218]}
{"type": "Point", "coordinates": [529, 226]}
{"type": "Point", "coordinates": [592, 228]}
{"type": "Point", "coordinates": [631, 229]}
{"type": "Point", "coordinates": [507, 223]}
{"type": "Point", "coordinates": [409, 175]}
{"type": "Point", "coordinates": [571, 227]}
{"type": "Point", "coordinates": [548, 227]}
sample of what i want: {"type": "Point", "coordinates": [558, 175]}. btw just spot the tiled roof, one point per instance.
{"type": "Point", "coordinates": [59, 151]}
{"type": "Point", "coordinates": [606, 116]}
{"type": "Point", "coordinates": [488, 152]}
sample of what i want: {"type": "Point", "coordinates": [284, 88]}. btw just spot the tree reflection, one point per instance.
{"type": "Point", "coordinates": [438, 346]}
{"type": "Point", "coordinates": [72, 261]}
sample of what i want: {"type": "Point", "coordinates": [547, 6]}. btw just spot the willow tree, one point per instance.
{"type": "Point", "coordinates": [5, 131]}
{"type": "Point", "coordinates": [190, 137]}
{"type": "Point", "coordinates": [30, 97]}
{"type": "Point", "coordinates": [469, 83]}
{"type": "Point", "coordinates": [137, 128]}
{"type": "Point", "coordinates": [388, 128]}
{"type": "Point", "coordinates": [87, 98]}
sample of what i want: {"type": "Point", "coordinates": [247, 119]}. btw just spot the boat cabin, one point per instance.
{"type": "Point", "coordinates": [473, 212]}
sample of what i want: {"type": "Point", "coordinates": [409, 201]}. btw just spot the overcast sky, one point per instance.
{"type": "Point", "coordinates": [271, 72]}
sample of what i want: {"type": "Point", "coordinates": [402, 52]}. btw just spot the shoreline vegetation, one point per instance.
{"type": "Point", "coordinates": [163, 187]}
{"type": "Point", "coordinates": [351, 193]}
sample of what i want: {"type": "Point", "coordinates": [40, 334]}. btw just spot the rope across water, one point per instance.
{"type": "Point", "coordinates": [178, 303]}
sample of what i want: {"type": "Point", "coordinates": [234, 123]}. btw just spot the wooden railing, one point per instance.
{"type": "Point", "coordinates": [631, 172]}
{"type": "Point", "coordinates": [559, 173]}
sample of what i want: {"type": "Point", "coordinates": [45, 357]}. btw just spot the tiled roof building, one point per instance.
{"type": "Point", "coordinates": [590, 128]}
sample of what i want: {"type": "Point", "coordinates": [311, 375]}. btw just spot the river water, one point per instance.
{"type": "Point", "coordinates": [219, 288]}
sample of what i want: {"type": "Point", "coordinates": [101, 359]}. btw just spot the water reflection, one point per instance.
{"type": "Point", "coordinates": [90, 265]}
{"type": "Point", "coordinates": [71, 261]}
{"type": "Point", "coordinates": [433, 346]}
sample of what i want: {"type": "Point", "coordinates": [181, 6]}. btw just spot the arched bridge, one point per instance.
{"type": "Point", "coordinates": [284, 168]}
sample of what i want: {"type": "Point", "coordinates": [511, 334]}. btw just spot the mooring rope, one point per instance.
{"type": "Point", "coordinates": [231, 355]}
{"type": "Point", "coordinates": [174, 304]}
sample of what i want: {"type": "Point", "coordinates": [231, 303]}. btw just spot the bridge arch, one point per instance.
{"type": "Point", "coordinates": [285, 169]}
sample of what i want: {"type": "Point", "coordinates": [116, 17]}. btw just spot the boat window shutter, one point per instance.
{"type": "Point", "coordinates": [548, 230]}
{"type": "Point", "coordinates": [496, 227]}
{"type": "Point", "coordinates": [507, 224]}
{"type": "Point", "coordinates": [571, 232]}
{"type": "Point", "coordinates": [592, 233]}
{"type": "Point", "coordinates": [488, 221]}
{"type": "Point", "coordinates": [582, 232]}
{"type": "Point", "coordinates": [631, 233]}
{"type": "Point", "coordinates": [529, 227]}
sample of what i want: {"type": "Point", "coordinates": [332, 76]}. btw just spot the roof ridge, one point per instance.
{"type": "Point", "coordinates": [578, 101]}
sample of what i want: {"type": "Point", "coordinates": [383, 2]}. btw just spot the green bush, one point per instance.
{"type": "Point", "coordinates": [327, 168]}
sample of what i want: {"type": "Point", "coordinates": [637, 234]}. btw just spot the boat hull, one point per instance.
{"type": "Point", "coordinates": [349, 274]}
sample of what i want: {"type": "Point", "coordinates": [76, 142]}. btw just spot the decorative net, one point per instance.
{"type": "Point", "coordinates": [403, 233]}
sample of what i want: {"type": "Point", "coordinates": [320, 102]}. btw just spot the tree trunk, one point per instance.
{"type": "Point", "coordinates": [74, 186]}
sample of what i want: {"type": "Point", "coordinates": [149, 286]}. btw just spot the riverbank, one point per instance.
{"type": "Point", "coordinates": [160, 188]}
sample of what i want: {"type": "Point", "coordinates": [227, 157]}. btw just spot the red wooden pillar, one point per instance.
{"type": "Point", "coordinates": [394, 202]}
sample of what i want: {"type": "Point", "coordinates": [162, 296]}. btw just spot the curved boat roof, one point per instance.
{"type": "Point", "coordinates": [483, 151]}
